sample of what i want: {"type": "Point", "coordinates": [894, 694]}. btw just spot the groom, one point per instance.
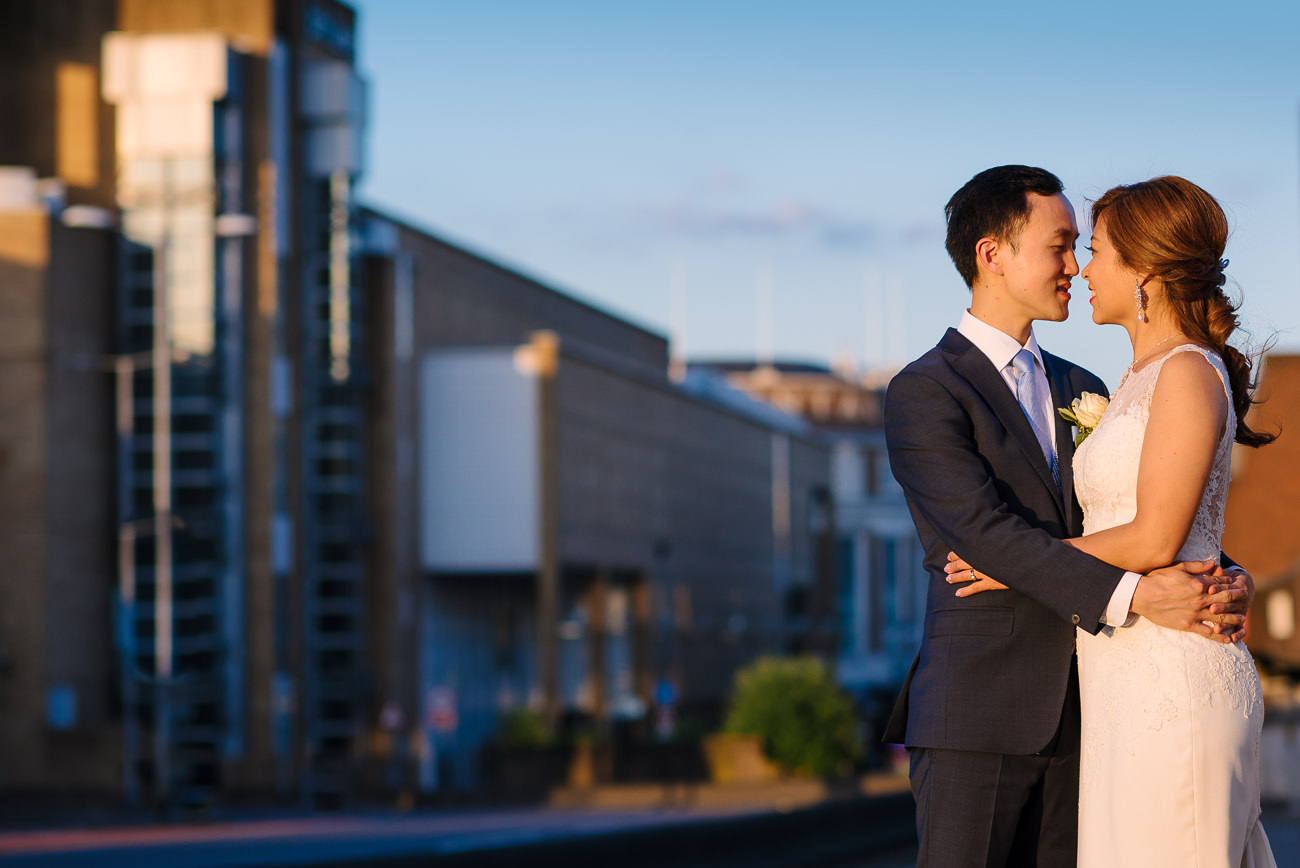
{"type": "Point", "coordinates": [989, 711]}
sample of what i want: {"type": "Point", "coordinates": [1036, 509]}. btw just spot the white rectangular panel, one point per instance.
{"type": "Point", "coordinates": [478, 456]}
{"type": "Point", "coordinates": [147, 66]}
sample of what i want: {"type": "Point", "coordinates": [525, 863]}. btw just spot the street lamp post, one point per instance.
{"type": "Point", "coordinates": [124, 370]}
{"type": "Point", "coordinates": [162, 508]}
{"type": "Point", "coordinates": [232, 231]}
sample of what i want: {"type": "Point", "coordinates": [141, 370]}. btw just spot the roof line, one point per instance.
{"type": "Point", "coordinates": [469, 251]}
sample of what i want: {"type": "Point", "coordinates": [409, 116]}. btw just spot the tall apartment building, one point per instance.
{"type": "Point", "coordinates": [285, 573]}
{"type": "Point", "coordinates": [227, 137]}
{"type": "Point", "coordinates": [58, 721]}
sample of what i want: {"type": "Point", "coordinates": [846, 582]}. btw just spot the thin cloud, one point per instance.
{"type": "Point", "coordinates": [787, 218]}
{"type": "Point", "coordinates": [722, 180]}
{"type": "Point", "coordinates": [922, 233]}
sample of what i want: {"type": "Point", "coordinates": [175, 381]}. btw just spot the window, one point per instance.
{"type": "Point", "coordinates": [846, 594]}
{"type": "Point", "coordinates": [505, 650]}
{"type": "Point", "coordinates": [871, 465]}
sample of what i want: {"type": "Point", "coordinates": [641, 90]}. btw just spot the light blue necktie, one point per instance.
{"type": "Point", "coordinates": [1030, 396]}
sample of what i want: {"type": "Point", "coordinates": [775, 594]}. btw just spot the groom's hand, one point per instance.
{"type": "Point", "coordinates": [1178, 597]}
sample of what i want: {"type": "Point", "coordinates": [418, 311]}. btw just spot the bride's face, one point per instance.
{"type": "Point", "coordinates": [1109, 281]}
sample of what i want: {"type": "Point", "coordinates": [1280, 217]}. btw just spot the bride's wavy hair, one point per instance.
{"type": "Point", "coordinates": [1172, 230]}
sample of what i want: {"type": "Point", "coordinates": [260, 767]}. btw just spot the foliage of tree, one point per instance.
{"type": "Point", "coordinates": [523, 728]}
{"type": "Point", "coordinates": [807, 723]}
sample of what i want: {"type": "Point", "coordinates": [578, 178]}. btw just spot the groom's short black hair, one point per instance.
{"type": "Point", "coordinates": [993, 204]}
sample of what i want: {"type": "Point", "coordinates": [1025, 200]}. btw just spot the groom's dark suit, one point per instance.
{"type": "Point", "coordinates": [994, 672]}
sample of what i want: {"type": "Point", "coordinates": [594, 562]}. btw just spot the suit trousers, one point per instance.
{"type": "Point", "coordinates": [988, 810]}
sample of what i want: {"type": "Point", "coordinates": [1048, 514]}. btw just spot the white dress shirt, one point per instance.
{"type": "Point", "coordinates": [1000, 348]}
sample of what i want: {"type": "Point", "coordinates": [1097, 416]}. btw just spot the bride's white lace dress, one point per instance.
{"type": "Point", "coordinates": [1169, 772]}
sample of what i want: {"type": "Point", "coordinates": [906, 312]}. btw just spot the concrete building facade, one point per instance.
{"type": "Point", "coordinates": [880, 583]}
{"type": "Point", "coordinates": [575, 533]}
{"type": "Point", "coordinates": [58, 685]}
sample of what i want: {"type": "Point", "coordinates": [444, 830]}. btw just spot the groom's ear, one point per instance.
{"type": "Point", "coordinates": [988, 253]}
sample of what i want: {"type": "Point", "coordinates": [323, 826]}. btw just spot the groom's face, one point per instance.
{"type": "Point", "coordinates": [1039, 267]}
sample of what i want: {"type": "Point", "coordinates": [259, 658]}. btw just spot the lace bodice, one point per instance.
{"type": "Point", "coordinates": [1106, 464]}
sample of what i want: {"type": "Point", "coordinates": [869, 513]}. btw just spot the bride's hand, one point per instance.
{"type": "Point", "coordinates": [960, 571]}
{"type": "Point", "coordinates": [1178, 597]}
{"type": "Point", "coordinates": [1234, 592]}
{"type": "Point", "coordinates": [1232, 579]}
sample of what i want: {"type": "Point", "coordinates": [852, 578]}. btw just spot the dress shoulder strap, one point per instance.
{"type": "Point", "coordinates": [1210, 356]}
{"type": "Point", "coordinates": [1215, 360]}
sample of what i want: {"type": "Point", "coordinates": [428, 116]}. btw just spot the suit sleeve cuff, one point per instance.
{"type": "Point", "coordinates": [1117, 612]}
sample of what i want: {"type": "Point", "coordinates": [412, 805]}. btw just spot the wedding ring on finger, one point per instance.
{"type": "Point", "coordinates": [972, 575]}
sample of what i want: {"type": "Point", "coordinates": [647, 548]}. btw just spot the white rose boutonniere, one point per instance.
{"type": "Point", "coordinates": [1084, 413]}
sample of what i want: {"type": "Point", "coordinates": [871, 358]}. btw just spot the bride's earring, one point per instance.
{"type": "Point", "coordinates": [1140, 298]}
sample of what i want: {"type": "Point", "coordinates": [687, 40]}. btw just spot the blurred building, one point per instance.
{"type": "Point", "coordinates": [569, 530]}
{"type": "Point", "coordinates": [880, 584]}
{"type": "Point", "coordinates": [367, 490]}
{"type": "Point", "coordinates": [1263, 506]}
{"type": "Point", "coordinates": [58, 683]}
{"type": "Point", "coordinates": [226, 139]}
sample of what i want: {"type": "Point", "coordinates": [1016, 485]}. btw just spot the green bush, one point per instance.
{"type": "Point", "coordinates": [523, 728]}
{"type": "Point", "coordinates": [806, 722]}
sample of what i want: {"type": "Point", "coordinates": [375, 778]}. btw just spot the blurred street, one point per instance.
{"type": "Point", "coordinates": [320, 839]}
{"type": "Point", "coordinates": [521, 836]}
{"type": "Point", "coordinates": [469, 837]}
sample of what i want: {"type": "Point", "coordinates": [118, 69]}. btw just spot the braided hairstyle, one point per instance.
{"type": "Point", "coordinates": [1172, 230]}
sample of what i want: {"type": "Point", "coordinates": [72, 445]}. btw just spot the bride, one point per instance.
{"type": "Point", "coordinates": [1169, 768]}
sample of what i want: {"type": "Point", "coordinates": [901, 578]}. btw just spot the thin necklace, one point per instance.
{"type": "Point", "coordinates": [1157, 346]}
{"type": "Point", "coordinates": [1154, 347]}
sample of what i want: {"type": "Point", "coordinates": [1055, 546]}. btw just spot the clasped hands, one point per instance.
{"type": "Point", "coordinates": [1196, 596]}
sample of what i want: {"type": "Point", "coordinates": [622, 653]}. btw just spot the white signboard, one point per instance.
{"type": "Point", "coordinates": [478, 462]}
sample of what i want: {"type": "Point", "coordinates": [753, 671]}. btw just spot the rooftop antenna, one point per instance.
{"type": "Point", "coordinates": [873, 322]}
{"type": "Point", "coordinates": [765, 338]}
{"type": "Point", "coordinates": [897, 321]}
{"type": "Point", "coordinates": [677, 322]}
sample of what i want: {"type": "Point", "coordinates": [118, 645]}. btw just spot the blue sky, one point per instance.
{"type": "Point", "coordinates": [606, 147]}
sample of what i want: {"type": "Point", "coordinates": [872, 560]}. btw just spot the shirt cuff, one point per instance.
{"type": "Point", "coordinates": [1117, 612]}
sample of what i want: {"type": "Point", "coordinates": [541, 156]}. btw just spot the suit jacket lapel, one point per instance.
{"type": "Point", "coordinates": [1062, 395]}
{"type": "Point", "coordinates": [976, 368]}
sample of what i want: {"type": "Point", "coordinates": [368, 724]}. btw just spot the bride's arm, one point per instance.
{"type": "Point", "coordinates": [1188, 412]}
